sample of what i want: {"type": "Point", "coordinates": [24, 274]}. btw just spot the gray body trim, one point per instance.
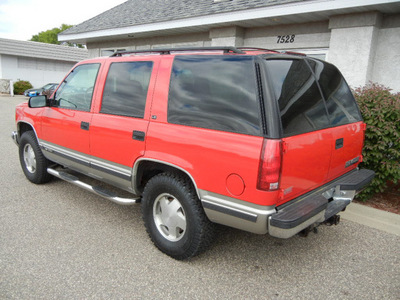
{"type": "Point", "coordinates": [100, 169]}
{"type": "Point", "coordinates": [236, 213]}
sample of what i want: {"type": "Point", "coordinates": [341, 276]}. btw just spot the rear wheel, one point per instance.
{"type": "Point", "coordinates": [174, 217]}
{"type": "Point", "coordinates": [32, 160]}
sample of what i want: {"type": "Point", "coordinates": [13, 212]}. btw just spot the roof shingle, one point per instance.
{"type": "Point", "coordinates": [139, 12]}
{"type": "Point", "coordinates": [42, 50]}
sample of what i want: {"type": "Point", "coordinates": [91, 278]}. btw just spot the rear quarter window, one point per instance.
{"type": "Point", "coordinates": [214, 92]}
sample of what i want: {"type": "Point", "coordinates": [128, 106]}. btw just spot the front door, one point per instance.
{"type": "Point", "coordinates": [66, 122]}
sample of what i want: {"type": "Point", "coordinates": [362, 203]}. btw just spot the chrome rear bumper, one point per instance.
{"type": "Point", "coordinates": [290, 218]}
{"type": "Point", "coordinates": [319, 205]}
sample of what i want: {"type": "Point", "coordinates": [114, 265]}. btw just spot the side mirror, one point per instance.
{"type": "Point", "coordinates": [38, 101]}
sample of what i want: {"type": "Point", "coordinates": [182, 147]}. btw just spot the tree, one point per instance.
{"type": "Point", "coordinates": [51, 36]}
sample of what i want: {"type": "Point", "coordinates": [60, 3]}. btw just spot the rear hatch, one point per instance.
{"type": "Point", "coordinates": [322, 128]}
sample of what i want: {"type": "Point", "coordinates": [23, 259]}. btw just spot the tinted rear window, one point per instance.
{"type": "Point", "coordinates": [215, 92]}
{"type": "Point", "coordinates": [341, 105]}
{"type": "Point", "coordinates": [300, 102]}
{"type": "Point", "coordinates": [311, 95]}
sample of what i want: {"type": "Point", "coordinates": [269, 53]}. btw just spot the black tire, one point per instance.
{"type": "Point", "coordinates": [174, 217]}
{"type": "Point", "coordinates": [32, 160]}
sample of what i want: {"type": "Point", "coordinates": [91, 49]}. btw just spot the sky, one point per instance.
{"type": "Point", "coordinates": [21, 19]}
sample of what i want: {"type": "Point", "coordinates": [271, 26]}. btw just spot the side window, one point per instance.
{"type": "Point", "coordinates": [340, 102]}
{"type": "Point", "coordinates": [214, 92]}
{"type": "Point", "coordinates": [77, 89]}
{"type": "Point", "coordinates": [125, 91]}
{"type": "Point", "coordinates": [301, 105]}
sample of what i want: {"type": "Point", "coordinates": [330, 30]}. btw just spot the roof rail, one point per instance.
{"type": "Point", "coordinates": [169, 50]}
{"type": "Point", "coordinates": [294, 53]}
{"type": "Point", "coordinates": [257, 49]}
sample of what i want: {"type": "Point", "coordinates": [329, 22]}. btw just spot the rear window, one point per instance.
{"type": "Point", "coordinates": [340, 102]}
{"type": "Point", "coordinates": [214, 92]}
{"type": "Point", "coordinates": [311, 95]}
{"type": "Point", "coordinates": [300, 102]}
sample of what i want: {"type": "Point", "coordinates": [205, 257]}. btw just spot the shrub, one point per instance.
{"type": "Point", "coordinates": [381, 113]}
{"type": "Point", "coordinates": [21, 86]}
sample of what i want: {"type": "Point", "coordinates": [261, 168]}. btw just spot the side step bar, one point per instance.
{"type": "Point", "coordinates": [94, 189]}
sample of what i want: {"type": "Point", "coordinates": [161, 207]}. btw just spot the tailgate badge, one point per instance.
{"type": "Point", "coordinates": [352, 161]}
{"type": "Point", "coordinates": [287, 191]}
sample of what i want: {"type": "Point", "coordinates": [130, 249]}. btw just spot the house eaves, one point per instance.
{"type": "Point", "coordinates": [41, 50]}
{"type": "Point", "coordinates": [286, 13]}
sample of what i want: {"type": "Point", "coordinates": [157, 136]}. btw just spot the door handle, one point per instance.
{"type": "Point", "coordinates": [138, 135]}
{"type": "Point", "coordinates": [339, 143]}
{"type": "Point", "coordinates": [85, 125]}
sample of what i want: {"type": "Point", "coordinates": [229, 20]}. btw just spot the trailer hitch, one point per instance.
{"type": "Point", "coordinates": [334, 220]}
{"type": "Point", "coordinates": [306, 231]}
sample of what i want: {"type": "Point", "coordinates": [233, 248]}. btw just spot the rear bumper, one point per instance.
{"type": "Point", "coordinates": [290, 218]}
{"type": "Point", "coordinates": [319, 205]}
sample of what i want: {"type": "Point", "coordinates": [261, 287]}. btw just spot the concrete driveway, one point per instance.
{"type": "Point", "coordinates": [60, 242]}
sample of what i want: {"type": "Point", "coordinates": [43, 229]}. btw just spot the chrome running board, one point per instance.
{"type": "Point", "coordinates": [99, 191]}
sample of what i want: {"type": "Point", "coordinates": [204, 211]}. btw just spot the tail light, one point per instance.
{"type": "Point", "coordinates": [270, 165]}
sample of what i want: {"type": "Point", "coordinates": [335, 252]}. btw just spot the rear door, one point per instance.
{"type": "Point", "coordinates": [213, 128]}
{"type": "Point", "coordinates": [306, 142]}
{"type": "Point", "coordinates": [320, 126]}
{"type": "Point", "coordinates": [119, 125]}
{"type": "Point", "coordinates": [345, 118]}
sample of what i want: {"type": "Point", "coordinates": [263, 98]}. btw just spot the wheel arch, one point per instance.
{"type": "Point", "coordinates": [23, 127]}
{"type": "Point", "coordinates": [146, 168]}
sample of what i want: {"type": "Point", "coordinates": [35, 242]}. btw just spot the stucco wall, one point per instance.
{"type": "Point", "coordinates": [305, 36]}
{"type": "Point", "coordinates": [386, 69]}
{"type": "Point", "coordinates": [186, 40]}
{"type": "Point", "coordinates": [365, 47]}
{"type": "Point", "coordinates": [350, 50]}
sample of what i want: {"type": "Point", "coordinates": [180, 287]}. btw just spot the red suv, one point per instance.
{"type": "Point", "coordinates": [263, 141]}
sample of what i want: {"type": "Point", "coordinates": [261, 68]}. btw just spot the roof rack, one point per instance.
{"type": "Point", "coordinates": [257, 49]}
{"type": "Point", "coordinates": [169, 50]}
{"type": "Point", "coordinates": [294, 53]}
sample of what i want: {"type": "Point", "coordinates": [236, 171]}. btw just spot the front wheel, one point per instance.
{"type": "Point", "coordinates": [32, 160]}
{"type": "Point", "coordinates": [174, 217]}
